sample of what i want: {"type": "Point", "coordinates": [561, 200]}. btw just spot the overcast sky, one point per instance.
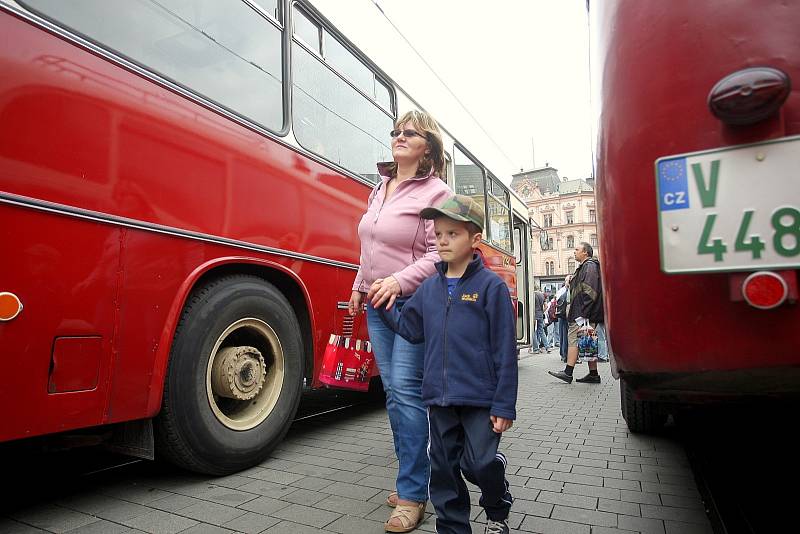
{"type": "Point", "coordinates": [521, 68]}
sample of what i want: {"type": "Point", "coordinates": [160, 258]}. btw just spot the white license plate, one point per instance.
{"type": "Point", "coordinates": [730, 209]}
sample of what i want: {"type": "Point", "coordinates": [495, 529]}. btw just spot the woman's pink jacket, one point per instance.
{"type": "Point", "coordinates": [394, 240]}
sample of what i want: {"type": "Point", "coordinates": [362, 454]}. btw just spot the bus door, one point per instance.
{"type": "Point", "coordinates": [521, 239]}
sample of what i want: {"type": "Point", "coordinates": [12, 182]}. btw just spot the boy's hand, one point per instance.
{"type": "Point", "coordinates": [500, 424]}
{"type": "Point", "coordinates": [384, 290]}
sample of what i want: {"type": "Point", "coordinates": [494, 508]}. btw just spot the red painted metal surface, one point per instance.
{"type": "Point", "coordinates": [659, 61]}
{"type": "Point", "coordinates": [79, 131]}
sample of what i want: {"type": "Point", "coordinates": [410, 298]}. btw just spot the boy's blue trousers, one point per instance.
{"type": "Point", "coordinates": [463, 443]}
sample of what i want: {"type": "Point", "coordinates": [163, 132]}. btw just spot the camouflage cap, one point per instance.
{"type": "Point", "coordinates": [458, 207]}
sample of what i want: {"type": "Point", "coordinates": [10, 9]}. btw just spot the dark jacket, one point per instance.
{"type": "Point", "coordinates": [470, 339]}
{"type": "Point", "coordinates": [586, 292]}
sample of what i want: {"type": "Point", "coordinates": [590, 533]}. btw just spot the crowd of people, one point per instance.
{"type": "Point", "coordinates": [443, 332]}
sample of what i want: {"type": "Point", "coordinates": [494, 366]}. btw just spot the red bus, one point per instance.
{"type": "Point", "coordinates": [180, 185]}
{"type": "Point", "coordinates": [697, 161]}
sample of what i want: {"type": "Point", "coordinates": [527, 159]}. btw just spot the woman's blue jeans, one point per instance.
{"type": "Point", "coordinates": [400, 364]}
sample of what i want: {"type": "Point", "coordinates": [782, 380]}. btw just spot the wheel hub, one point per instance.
{"type": "Point", "coordinates": [238, 373]}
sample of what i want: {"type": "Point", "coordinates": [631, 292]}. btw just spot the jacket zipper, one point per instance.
{"type": "Point", "coordinates": [444, 355]}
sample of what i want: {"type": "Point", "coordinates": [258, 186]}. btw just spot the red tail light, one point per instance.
{"type": "Point", "coordinates": [765, 290]}
{"type": "Point", "coordinates": [749, 95]}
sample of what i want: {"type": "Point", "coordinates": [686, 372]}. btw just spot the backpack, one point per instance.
{"type": "Point", "coordinates": [561, 305]}
{"type": "Point", "coordinates": [551, 311]}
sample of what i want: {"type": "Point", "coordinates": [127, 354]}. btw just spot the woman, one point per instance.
{"type": "Point", "coordinates": [398, 250]}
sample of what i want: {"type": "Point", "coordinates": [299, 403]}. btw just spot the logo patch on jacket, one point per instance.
{"type": "Point", "coordinates": [470, 297]}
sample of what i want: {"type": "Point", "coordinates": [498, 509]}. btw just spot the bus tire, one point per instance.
{"type": "Point", "coordinates": [239, 335]}
{"type": "Point", "coordinates": [642, 417]}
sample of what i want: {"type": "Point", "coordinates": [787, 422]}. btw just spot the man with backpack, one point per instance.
{"type": "Point", "coordinates": [561, 300]}
{"type": "Point", "coordinates": [551, 322]}
{"type": "Point", "coordinates": [585, 312]}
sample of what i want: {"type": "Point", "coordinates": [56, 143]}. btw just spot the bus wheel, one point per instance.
{"type": "Point", "coordinates": [642, 417]}
{"type": "Point", "coordinates": [234, 378]}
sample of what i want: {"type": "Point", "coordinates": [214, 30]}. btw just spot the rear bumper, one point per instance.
{"type": "Point", "coordinates": [726, 386]}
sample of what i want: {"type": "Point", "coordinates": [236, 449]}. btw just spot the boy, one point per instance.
{"type": "Point", "coordinates": [465, 316]}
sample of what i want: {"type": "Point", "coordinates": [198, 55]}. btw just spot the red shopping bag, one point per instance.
{"type": "Point", "coordinates": [347, 363]}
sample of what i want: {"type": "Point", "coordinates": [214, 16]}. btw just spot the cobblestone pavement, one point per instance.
{"type": "Point", "coordinates": [573, 468]}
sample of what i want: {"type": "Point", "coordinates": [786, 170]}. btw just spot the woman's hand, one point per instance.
{"type": "Point", "coordinates": [384, 290]}
{"type": "Point", "coordinates": [354, 305]}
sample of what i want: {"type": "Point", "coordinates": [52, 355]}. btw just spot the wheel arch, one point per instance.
{"type": "Point", "coordinates": [285, 280]}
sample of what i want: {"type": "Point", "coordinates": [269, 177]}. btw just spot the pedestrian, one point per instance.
{"type": "Point", "coordinates": [551, 322]}
{"type": "Point", "coordinates": [562, 299]}
{"type": "Point", "coordinates": [399, 248]}
{"type": "Point", "coordinates": [585, 311]}
{"type": "Point", "coordinates": [538, 310]}
{"type": "Point", "coordinates": [466, 319]}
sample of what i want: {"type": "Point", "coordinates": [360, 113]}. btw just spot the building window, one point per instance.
{"type": "Point", "coordinates": [571, 266]}
{"type": "Point", "coordinates": [549, 243]}
{"type": "Point", "coordinates": [548, 220]}
{"type": "Point", "coordinates": [594, 240]}
{"type": "Point", "coordinates": [570, 217]}
{"type": "Point", "coordinates": [570, 241]}
{"type": "Point", "coordinates": [549, 268]}
{"type": "Point", "coordinates": [592, 216]}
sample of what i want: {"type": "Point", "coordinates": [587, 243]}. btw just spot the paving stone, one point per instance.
{"type": "Point", "coordinates": [227, 496]}
{"type": "Point", "coordinates": [53, 518]}
{"type": "Point", "coordinates": [630, 485]}
{"type": "Point", "coordinates": [676, 527]}
{"type": "Point", "coordinates": [581, 515]}
{"type": "Point", "coordinates": [578, 479]}
{"type": "Point", "coordinates": [209, 512]}
{"type": "Point", "coordinates": [305, 497]}
{"type": "Point", "coordinates": [350, 490]}
{"type": "Point", "coordinates": [541, 509]}
{"type": "Point", "coordinates": [158, 522]}
{"type": "Point", "coordinates": [566, 499]}
{"type": "Point", "coordinates": [682, 502]}
{"type": "Point", "coordinates": [619, 507]}
{"type": "Point", "coordinates": [204, 528]}
{"type": "Point", "coordinates": [542, 525]}
{"type": "Point", "coordinates": [251, 523]}
{"type": "Point", "coordinates": [591, 491]}
{"type": "Point", "coordinates": [358, 525]}
{"type": "Point", "coordinates": [264, 505]}
{"type": "Point", "coordinates": [642, 524]}
{"type": "Point", "coordinates": [306, 515]}
{"type": "Point", "coordinates": [684, 515]}
{"type": "Point", "coordinates": [354, 507]}
{"type": "Point", "coordinates": [101, 526]}
{"type": "Point", "coordinates": [639, 497]}
{"type": "Point", "coordinates": [9, 526]}
{"type": "Point", "coordinates": [287, 527]}
{"type": "Point", "coordinates": [174, 502]}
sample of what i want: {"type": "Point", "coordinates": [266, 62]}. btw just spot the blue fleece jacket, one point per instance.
{"type": "Point", "coordinates": [470, 339]}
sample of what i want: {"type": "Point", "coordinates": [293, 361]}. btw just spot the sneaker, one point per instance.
{"type": "Point", "coordinates": [496, 527]}
{"type": "Point", "coordinates": [562, 375]}
{"type": "Point", "coordinates": [589, 379]}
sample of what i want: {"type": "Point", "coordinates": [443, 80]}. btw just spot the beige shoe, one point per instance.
{"type": "Point", "coordinates": [410, 517]}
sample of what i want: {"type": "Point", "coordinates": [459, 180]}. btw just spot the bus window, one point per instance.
{"type": "Point", "coordinates": [499, 215]}
{"type": "Point", "coordinates": [348, 65]}
{"type": "Point", "coordinates": [383, 95]}
{"type": "Point", "coordinates": [334, 120]}
{"type": "Point", "coordinates": [307, 30]}
{"type": "Point", "coordinates": [191, 44]}
{"type": "Point", "coordinates": [469, 179]}
{"type": "Point", "coordinates": [271, 7]}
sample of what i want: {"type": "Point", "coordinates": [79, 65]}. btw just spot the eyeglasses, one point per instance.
{"type": "Point", "coordinates": [405, 133]}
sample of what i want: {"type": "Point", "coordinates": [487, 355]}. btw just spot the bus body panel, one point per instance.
{"type": "Point", "coordinates": [681, 332]}
{"type": "Point", "coordinates": [80, 132]}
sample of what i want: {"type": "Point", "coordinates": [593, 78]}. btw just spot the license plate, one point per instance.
{"type": "Point", "coordinates": [730, 209]}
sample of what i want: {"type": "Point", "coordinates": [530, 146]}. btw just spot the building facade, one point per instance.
{"type": "Point", "coordinates": [564, 214]}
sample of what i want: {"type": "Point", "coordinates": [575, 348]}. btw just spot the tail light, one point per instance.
{"type": "Point", "coordinates": [764, 290]}
{"type": "Point", "coordinates": [749, 95]}
{"type": "Point", "coordinates": [10, 306]}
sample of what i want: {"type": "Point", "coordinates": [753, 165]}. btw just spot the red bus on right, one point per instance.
{"type": "Point", "coordinates": [698, 189]}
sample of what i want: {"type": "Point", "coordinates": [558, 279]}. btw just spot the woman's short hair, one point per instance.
{"type": "Point", "coordinates": [426, 125]}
